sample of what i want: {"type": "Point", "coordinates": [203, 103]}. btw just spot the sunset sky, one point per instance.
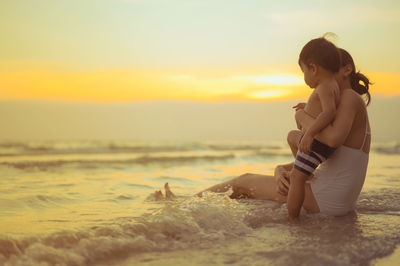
{"type": "Point", "coordinates": [212, 51]}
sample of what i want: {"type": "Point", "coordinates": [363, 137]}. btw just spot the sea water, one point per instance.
{"type": "Point", "coordinates": [91, 203]}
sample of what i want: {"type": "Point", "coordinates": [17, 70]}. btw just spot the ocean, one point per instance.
{"type": "Point", "coordinates": [92, 203]}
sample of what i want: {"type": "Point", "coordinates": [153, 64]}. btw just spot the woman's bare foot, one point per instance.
{"type": "Point", "coordinates": [158, 195]}
{"type": "Point", "coordinates": [168, 192]}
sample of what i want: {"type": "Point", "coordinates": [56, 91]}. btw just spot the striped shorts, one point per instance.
{"type": "Point", "coordinates": [307, 163]}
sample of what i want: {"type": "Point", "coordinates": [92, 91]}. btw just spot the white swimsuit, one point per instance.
{"type": "Point", "coordinates": [338, 181]}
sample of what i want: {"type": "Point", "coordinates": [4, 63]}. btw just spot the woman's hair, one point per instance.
{"type": "Point", "coordinates": [356, 77]}
{"type": "Point", "coordinates": [321, 52]}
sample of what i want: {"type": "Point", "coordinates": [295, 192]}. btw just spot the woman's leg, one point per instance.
{"type": "Point", "coordinates": [168, 192]}
{"type": "Point", "coordinates": [258, 186]}
{"type": "Point", "coordinates": [221, 187]}
{"type": "Point", "coordinates": [254, 186]}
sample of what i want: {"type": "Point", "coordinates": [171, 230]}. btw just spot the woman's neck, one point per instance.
{"type": "Point", "coordinates": [344, 84]}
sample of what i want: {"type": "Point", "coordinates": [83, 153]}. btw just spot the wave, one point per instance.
{"type": "Point", "coordinates": [388, 149]}
{"type": "Point", "coordinates": [139, 185]}
{"type": "Point", "coordinates": [115, 147]}
{"type": "Point", "coordinates": [258, 228]}
{"type": "Point", "coordinates": [34, 201]}
{"type": "Point", "coordinates": [272, 153]}
{"type": "Point", "coordinates": [382, 200]}
{"type": "Point", "coordinates": [33, 148]}
{"type": "Point", "coordinates": [125, 197]}
{"type": "Point", "coordinates": [193, 222]}
{"type": "Point", "coordinates": [90, 147]}
{"type": "Point", "coordinates": [147, 159]}
{"type": "Point", "coordinates": [242, 147]}
{"type": "Point", "coordinates": [143, 160]}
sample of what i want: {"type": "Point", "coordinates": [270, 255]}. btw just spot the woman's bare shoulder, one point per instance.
{"type": "Point", "coordinates": [351, 97]}
{"type": "Point", "coordinates": [349, 93]}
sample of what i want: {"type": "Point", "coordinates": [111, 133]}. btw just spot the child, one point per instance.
{"type": "Point", "coordinates": [319, 60]}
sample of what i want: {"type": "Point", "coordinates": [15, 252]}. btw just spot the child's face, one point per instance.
{"type": "Point", "coordinates": [309, 74]}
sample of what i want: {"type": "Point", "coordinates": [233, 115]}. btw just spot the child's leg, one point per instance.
{"type": "Point", "coordinates": [304, 166]}
{"type": "Point", "coordinates": [293, 139]}
{"type": "Point", "coordinates": [296, 192]}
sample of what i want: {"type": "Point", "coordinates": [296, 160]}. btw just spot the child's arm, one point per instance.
{"type": "Point", "coordinates": [327, 98]}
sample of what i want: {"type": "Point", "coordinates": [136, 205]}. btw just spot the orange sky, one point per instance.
{"type": "Point", "coordinates": [28, 81]}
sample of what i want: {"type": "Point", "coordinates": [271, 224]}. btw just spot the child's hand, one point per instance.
{"type": "Point", "coordinates": [305, 143]}
{"type": "Point", "coordinates": [299, 106]}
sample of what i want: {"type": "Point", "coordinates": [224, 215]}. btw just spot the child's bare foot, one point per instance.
{"type": "Point", "coordinates": [158, 195]}
{"type": "Point", "coordinates": [168, 192]}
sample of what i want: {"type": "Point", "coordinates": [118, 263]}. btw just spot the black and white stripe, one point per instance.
{"type": "Point", "coordinates": [307, 163]}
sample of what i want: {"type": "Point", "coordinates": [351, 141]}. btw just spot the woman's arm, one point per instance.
{"type": "Point", "coordinates": [336, 133]}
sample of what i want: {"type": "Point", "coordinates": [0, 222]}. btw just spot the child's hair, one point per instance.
{"type": "Point", "coordinates": [321, 52]}
{"type": "Point", "coordinates": [355, 77]}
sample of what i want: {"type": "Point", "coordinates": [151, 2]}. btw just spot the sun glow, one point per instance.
{"type": "Point", "coordinates": [277, 80]}
{"type": "Point", "coordinates": [268, 94]}
{"type": "Point", "coordinates": [30, 81]}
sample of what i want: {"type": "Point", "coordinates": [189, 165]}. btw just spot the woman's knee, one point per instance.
{"type": "Point", "coordinates": [240, 186]}
{"type": "Point", "coordinates": [240, 179]}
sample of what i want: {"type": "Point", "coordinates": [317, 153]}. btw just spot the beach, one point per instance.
{"type": "Point", "coordinates": [104, 103]}
{"type": "Point", "coordinates": [91, 203]}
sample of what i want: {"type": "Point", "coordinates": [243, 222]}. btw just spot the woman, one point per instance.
{"type": "Point", "coordinates": [338, 181]}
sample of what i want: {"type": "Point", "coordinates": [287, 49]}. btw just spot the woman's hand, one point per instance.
{"type": "Point", "coordinates": [282, 180]}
